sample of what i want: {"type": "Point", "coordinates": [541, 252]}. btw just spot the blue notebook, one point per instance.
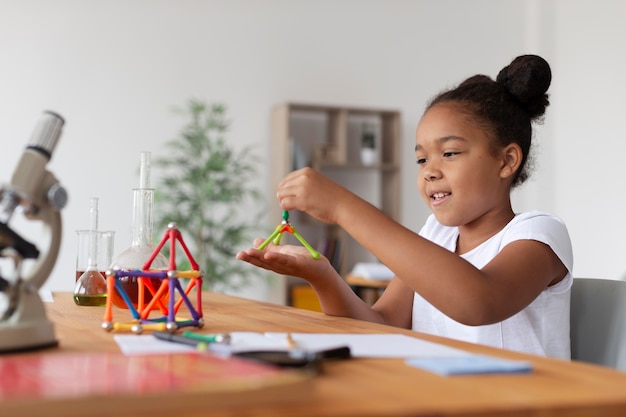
{"type": "Point", "coordinates": [470, 365]}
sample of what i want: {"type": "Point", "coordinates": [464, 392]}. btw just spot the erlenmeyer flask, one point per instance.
{"type": "Point", "coordinates": [91, 289]}
{"type": "Point", "coordinates": [141, 247]}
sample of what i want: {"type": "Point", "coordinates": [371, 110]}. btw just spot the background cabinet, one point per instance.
{"type": "Point", "coordinates": [330, 139]}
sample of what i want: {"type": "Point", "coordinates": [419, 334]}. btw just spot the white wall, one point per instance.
{"type": "Point", "coordinates": [590, 133]}
{"type": "Point", "coordinates": [580, 161]}
{"type": "Point", "coordinates": [115, 69]}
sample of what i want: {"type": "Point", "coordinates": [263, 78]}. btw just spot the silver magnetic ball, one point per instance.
{"type": "Point", "coordinates": [107, 325]}
{"type": "Point", "coordinates": [171, 326]}
{"type": "Point", "coordinates": [137, 328]}
{"type": "Point", "coordinates": [200, 323]}
{"type": "Point", "coordinates": [172, 274]}
{"type": "Point", "coordinates": [172, 225]}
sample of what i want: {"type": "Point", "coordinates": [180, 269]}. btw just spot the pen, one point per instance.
{"type": "Point", "coordinates": [171, 337]}
{"type": "Point", "coordinates": [208, 338]}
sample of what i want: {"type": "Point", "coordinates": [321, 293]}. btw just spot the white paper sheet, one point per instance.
{"type": "Point", "coordinates": [147, 344]}
{"type": "Point", "coordinates": [374, 345]}
{"type": "Point", "coordinates": [361, 345]}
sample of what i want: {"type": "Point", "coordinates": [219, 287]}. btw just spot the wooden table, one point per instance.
{"type": "Point", "coordinates": [373, 387]}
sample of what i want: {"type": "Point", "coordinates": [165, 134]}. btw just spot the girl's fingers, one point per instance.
{"type": "Point", "coordinates": [258, 241]}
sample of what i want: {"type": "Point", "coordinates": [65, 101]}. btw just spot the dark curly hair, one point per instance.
{"type": "Point", "coordinates": [508, 106]}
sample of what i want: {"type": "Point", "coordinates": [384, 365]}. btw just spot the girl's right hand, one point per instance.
{"type": "Point", "coordinates": [309, 191]}
{"type": "Point", "coordinates": [287, 260]}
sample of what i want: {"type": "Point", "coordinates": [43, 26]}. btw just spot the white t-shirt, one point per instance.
{"type": "Point", "coordinates": [542, 328]}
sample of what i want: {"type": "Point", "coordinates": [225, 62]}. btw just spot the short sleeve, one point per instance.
{"type": "Point", "coordinates": [546, 228]}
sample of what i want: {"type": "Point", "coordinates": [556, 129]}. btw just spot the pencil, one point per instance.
{"type": "Point", "coordinates": [292, 343]}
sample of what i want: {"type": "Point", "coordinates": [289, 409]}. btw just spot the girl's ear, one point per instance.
{"type": "Point", "coordinates": [511, 160]}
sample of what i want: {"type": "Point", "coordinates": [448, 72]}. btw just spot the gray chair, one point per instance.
{"type": "Point", "coordinates": [598, 322]}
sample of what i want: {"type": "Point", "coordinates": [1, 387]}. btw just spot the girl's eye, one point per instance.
{"type": "Point", "coordinates": [421, 161]}
{"type": "Point", "coordinates": [450, 154]}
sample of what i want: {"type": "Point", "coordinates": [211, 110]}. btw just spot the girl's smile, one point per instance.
{"type": "Point", "coordinates": [439, 197]}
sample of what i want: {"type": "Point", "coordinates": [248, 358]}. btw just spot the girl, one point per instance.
{"type": "Point", "coordinates": [477, 271]}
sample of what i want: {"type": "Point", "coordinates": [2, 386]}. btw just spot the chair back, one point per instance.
{"type": "Point", "coordinates": [598, 322]}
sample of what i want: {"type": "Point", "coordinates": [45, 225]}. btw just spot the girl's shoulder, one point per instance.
{"type": "Point", "coordinates": [532, 225]}
{"type": "Point", "coordinates": [534, 217]}
{"type": "Point", "coordinates": [543, 227]}
{"type": "Point", "coordinates": [537, 221]}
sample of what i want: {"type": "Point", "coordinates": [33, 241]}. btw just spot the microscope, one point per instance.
{"type": "Point", "coordinates": [37, 195]}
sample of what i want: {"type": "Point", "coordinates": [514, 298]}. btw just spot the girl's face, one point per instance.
{"type": "Point", "coordinates": [460, 177]}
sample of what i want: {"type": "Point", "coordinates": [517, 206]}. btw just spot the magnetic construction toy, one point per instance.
{"type": "Point", "coordinates": [286, 226]}
{"type": "Point", "coordinates": [168, 297]}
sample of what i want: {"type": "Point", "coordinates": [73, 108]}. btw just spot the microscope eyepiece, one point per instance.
{"type": "Point", "coordinates": [46, 133]}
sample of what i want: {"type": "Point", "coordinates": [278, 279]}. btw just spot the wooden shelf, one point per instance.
{"type": "Point", "coordinates": [368, 289]}
{"type": "Point", "coordinates": [328, 138]}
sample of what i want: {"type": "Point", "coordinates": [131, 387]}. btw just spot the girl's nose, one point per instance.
{"type": "Point", "coordinates": [432, 174]}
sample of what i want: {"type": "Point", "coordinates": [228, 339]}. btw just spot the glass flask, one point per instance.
{"type": "Point", "coordinates": [142, 246]}
{"type": "Point", "coordinates": [90, 288]}
{"type": "Point", "coordinates": [104, 256]}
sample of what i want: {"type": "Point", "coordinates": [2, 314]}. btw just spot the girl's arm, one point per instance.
{"type": "Point", "coordinates": [511, 281]}
{"type": "Point", "coordinates": [335, 295]}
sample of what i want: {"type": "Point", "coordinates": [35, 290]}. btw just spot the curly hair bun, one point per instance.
{"type": "Point", "coordinates": [527, 79]}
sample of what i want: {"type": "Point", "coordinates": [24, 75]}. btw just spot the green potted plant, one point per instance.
{"type": "Point", "coordinates": [205, 187]}
{"type": "Point", "coordinates": [369, 155]}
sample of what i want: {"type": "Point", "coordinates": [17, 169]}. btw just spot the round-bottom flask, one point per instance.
{"type": "Point", "coordinates": [90, 289]}
{"type": "Point", "coordinates": [141, 249]}
{"type": "Point", "coordinates": [132, 259]}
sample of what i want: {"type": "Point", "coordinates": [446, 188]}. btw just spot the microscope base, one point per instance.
{"type": "Point", "coordinates": [28, 328]}
{"type": "Point", "coordinates": [27, 337]}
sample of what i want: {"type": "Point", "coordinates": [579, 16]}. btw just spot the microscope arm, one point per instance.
{"type": "Point", "coordinates": [51, 198]}
{"type": "Point", "coordinates": [40, 271]}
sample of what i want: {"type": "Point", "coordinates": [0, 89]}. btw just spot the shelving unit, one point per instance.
{"type": "Point", "coordinates": [328, 138]}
